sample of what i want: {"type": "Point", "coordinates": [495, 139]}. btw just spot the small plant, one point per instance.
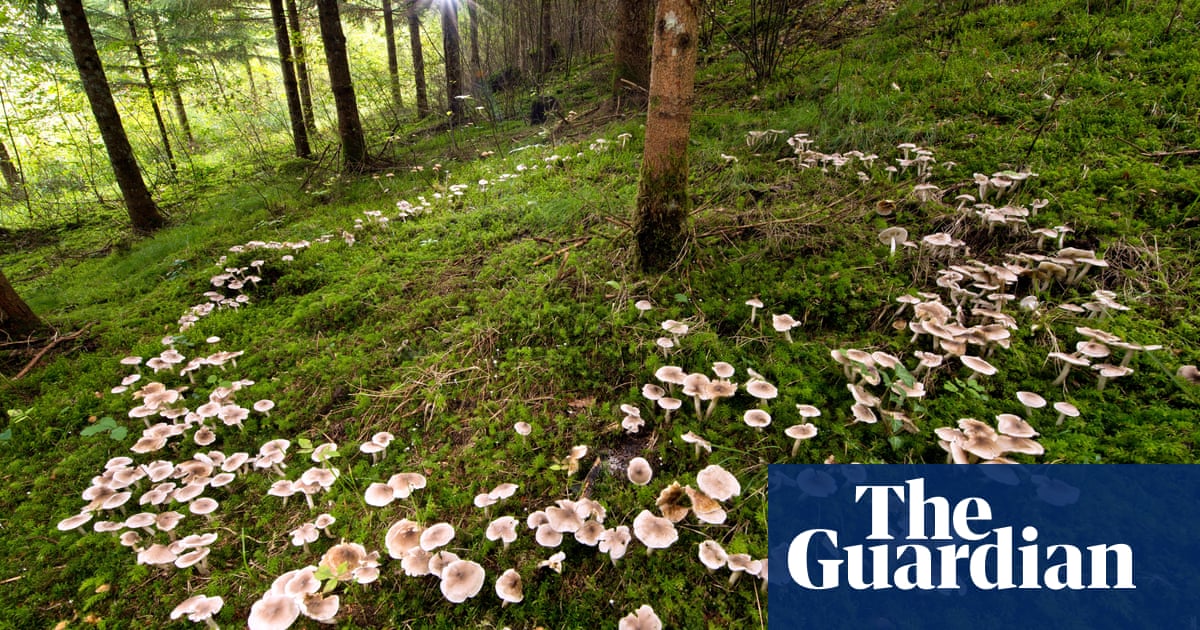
{"type": "Point", "coordinates": [105, 425]}
{"type": "Point", "coordinates": [966, 389]}
{"type": "Point", "coordinates": [15, 417]}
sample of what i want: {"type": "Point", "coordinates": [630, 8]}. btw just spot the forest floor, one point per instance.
{"type": "Point", "coordinates": [501, 291]}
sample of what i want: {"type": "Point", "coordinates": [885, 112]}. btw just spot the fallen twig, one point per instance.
{"type": "Point", "coordinates": [562, 250]}
{"type": "Point", "coordinates": [53, 342]}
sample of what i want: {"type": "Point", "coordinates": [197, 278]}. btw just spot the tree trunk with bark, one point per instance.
{"type": "Point", "coordinates": [631, 51]}
{"type": "Point", "coordinates": [389, 38]}
{"type": "Point", "coordinates": [418, 57]}
{"type": "Point", "coordinates": [16, 318]}
{"type": "Point", "coordinates": [663, 203]}
{"type": "Point", "coordinates": [452, 50]}
{"type": "Point", "coordinates": [290, 89]}
{"type": "Point", "coordinates": [545, 57]}
{"type": "Point", "coordinates": [473, 34]}
{"type": "Point", "coordinates": [306, 104]}
{"type": "Point", "coordinates": [145, 68]}
{"type": "Point", "coordinates": [12, 177]}
{"type": "Point", "coordinates": [143, 212]}
{"type": "Point", "coordinates": [354, 144]}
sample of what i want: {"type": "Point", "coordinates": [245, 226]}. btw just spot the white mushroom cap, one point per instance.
{"type": "Point", "coordinates": [1014, 425]}
{"type": "Point", "coordinates": [711, 554]}
{"type": "Point", "coordinates": [639, 471]}
{"type": "Point", "coordinates": [808, 411]}
{"type": "Point", "coordinates": [783, 323]}
{"type": "Point", "coordinates": [379, 494]}
{"type": "Point", "coordinates": [462, 580]}
{"type": "Point", "coordinates": [523, 428]}
{"type": "Point", "coordinates": [804, 431]}
{"type": "Point", "coordinates": [1031, 400]}
{"type": "Point", "coordinates": [273, 612]}
{"type": "Point", "coordinates": [1067, 409]}
{"type": "Point", "coordinates": [641, 619]}
{"type": "Point", "coordinates": [503, 529]}
{"type": "Point", "coordinates": [718, 483]}
{"type": "Point", "coordinates": [723, 369]}
{"type": "Point", "coordinates": [978, 365]}
{"type": "Point", "coordinates": [508, 586]}
{"type": "Point", "coordinates": [654, 531]}
{"type": "Point", "coordinates": [692, 438]}
{"type": "Point", "coordinates": [756, 418]}
{"type": "Point", "coordinates": [74, 521]}
{"type": "Point", "coordinates": [761, 389]}
{"type": "Point", "coordinates": [614, 542]}
{"type": "Point", "coordinates": [401, 537]}
{"type": "Point", "coordinates": [436, 535]}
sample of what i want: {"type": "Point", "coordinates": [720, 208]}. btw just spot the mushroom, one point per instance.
{"type": "Point", "coordinates": [1189, 373]}
{"type": "Point", "coordinates": [655, 532]}
{"type": "Point", "coordinates": [784, 324]}
{"type": "Point", "coordinates": [799, 433]}
{"type": "Point", "coordinates": [199, 608]}
{"type": "Point", "coordinates": [461, 580]}
{"type": "Point", "coordinates": [712, 555]}
{"type": "Point", "coordinates": [639, 471]}
{"type": "Point", "coordinates": [891, 236]}
{"type": "Point", "coordinates": [405, 535]}
{"type": "Point", "coordinates": [1108, 371]}
{"type": "Point", "coordinates": [757, 418]}
{"type": "Point", "coordinates": [718, 483]}
{"type": "Point", "coordinates": [642, 306]}
{"type": "Point", "coordinates": [699, 442]}
{"type": "Point", "coordinates": [508, 587]}
{"type": "Point", "coordinates": [614, 542]}
{"type": "Point", "coordinates": [1030, 401]}
{"type": "Point", "coordinates": [436, 535]}
{"type": "Point", "coordinates": [554, 562]}
{"type": "Point", "coordinates": [641, 619]}
{"type": "Point", "coordinates": [754, 304]}
{"type": "Point", "coordinates": [1068, 361]}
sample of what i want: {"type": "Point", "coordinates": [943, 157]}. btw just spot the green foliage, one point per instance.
{"type": "Point", "coordinates": [106, 425]}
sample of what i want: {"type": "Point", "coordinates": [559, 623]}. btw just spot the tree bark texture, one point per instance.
{"type": "Point", "coordinates": [16, 318]}
{"type": "Point", "coordinates": [306, 103]}
{"type": "Point", "coordinates": [545, 58]}
{"type": "Point", "coordinates": [663, 203]}
{"type": "Point", "coordinates": [143, 212]}
{"type": "Point", "coordinates": [389, 37]}
{"type": "Point", "coordinates": [145, 68]}
{"type": "Point", "coordinates": [473, 35]}
{"type": "Point", "coordinates": [452, 50]}
{"type": "Point", "coordinates": [354, 145]}
{"type": "Point", "coordinates": [12, 177]}
{"type": "Point", "coordinates": [418, 57]}
{"type": "Point", "coordinates": [631, 51]}
{"type": "Point", "coordinates": [291, 90]}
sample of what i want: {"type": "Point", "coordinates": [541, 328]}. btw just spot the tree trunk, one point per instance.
{"type": "Point", "coordinates": [354, 145]}
{"type": "Point", "coordinates": [250, 77]}
{"type": "Point", "coordinates": [290, 89]}
{"type": "Point", "coordinates": [16, 318]}
{"type": "Point", "coordinates": [12, 177]}
{"type": "Point", "coordinates": [143, 213]}
{"type": "Point", "coordinates": [418, 57]}
{"type": "Point", "coordinates": [545, 39]}
{"type": "Point", "coordinates": [663, 204]}
{"type": "Point", "coordinates": [631, 51]}
{"type": "Point", "coordinates": [452, 45]}
{"type": "Point", "coordinates": [167, 61]}
{"type": "Point", "coordinates": [389, 38]}
{"type": "Point", "coordinates": [145, 68]}
{"type": "Point", "coordinates": [306, 104]}
{"type": "Point", "coordinates": [473, 35]}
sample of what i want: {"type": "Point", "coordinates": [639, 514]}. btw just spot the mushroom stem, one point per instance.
{"type": "Point", "coordinates": [787, 334]}
{"type": "Point", "coordinates": [1128, 357]}
{"type": "Point", "coordinates": [696, 399]}
{"type": "Point", "coordinates": [796, 447]}
{"type": "Point", "coordinates": [1062, 375]}
{"type": "Point", "coordinates": [1101, 382]}
{"type": "Point", "coordinates": [212, 625]}
{"type": "Point", "coordinates": [753, 313]}
{"type": "Point", "coordinates": [1061, 417]}
{"type": "Point", "coordinates": [733, 577]}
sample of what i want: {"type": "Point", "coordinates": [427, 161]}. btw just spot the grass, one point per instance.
{"type": "Point", "coordinates": [514, 302]}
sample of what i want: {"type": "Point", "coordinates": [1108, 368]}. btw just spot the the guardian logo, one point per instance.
{"type": "Point", "coordinates": [933, 544]}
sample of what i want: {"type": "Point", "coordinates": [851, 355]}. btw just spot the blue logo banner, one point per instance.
{"type": "Point", "coordinates": [984, 546]}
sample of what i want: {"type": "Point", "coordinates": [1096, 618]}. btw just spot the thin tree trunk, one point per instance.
{"type": "Point", "coordinates": [545, 39]}
{"type": "Point", "coordinates": [143, 212]}
{"type": "Point", "coordinates": [418, 57]}
{"type": "Point", "coordinates": [16, 318]}
{"type": "Point", "coordinates": [389, 37]}
{"type": "Point", "coordinates": [473, 34]}
{"type": "Point", "coordinates": [663, 203]}
{"type": "Point", "coordinates": [354, 145]}
{"type": "Point", "coordinates": [290, 89]}
{"type": "Point", "coordinates": [631, 52]}
{"type": "Point", "coordinates": [16, 186]}
{"type": "Point", "coordinates": [167, 58]}
{"type": "Point", "coordinates": [250, 77]}
{"type": "Point", "coordinates": [452, 45]}
{"type": "Point", "coordinates": [145, 68]}
{"type": "Point", "coordinates": [306, 103]}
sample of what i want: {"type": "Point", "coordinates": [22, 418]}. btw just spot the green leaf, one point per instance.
{"type": "Point", "coordinates": [118, 433]}
{"type": "Point", "coordinates": [614, 284]}
{"type": "Point", "coordinates": [93, 430]}
{"type": "Point", "coordinates": [896, 441]}
{"type": "Point", "coordinates": [681, 298]}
